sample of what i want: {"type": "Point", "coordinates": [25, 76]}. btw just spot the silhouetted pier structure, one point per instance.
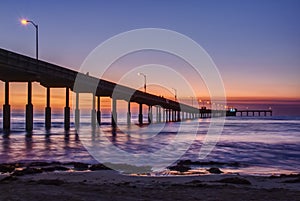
{"type": "Point", "coordinates": [15, 67]}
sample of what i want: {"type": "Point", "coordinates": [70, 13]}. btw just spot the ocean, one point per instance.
{"type": "Point", "coordinates": [247, 145]}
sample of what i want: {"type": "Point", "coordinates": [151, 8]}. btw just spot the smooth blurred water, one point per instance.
{"type": "Point", "coordinates": [260, 145]}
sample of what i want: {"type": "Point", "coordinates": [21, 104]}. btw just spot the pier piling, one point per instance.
{"type": "Point", "coordinates": [29, 108]}
{"type": "Point", "coordinates": [6, 108]}
{"type": "Point", "coordinates": [48, 110]}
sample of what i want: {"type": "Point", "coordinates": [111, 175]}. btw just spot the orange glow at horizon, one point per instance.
{"type": "Point", "coordinates": [18, 98]}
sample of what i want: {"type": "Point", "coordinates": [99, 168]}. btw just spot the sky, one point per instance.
{"type": "Point", "coordinates": [254, 44]}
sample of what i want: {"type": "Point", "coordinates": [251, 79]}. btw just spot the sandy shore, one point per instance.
{"type": "Point", "coordinates": [110, 185]}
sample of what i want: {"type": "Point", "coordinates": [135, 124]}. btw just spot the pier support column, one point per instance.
{"type": "Point", "coordinates": [6, 109]}
{"type": "Point", "coordinates": [67, 110]}
{"type": "Point", "coordinates": [29, 109]}
{"type": "Point", "coordinates": [141, 114]}
{"type": "Point", "coordinates": [164, 115]}
{"type": "Point", "coordinates": [93, 112]}
{"type": "Point", "coordinates": [157, 120]}
{"type": "Point", "coordinates": [170, 115]}
{"type": "Point", "coordinates": [150, 116]}
{"type": "Point", "coordinates": [167, 115]}
{"type": "Point", "coordinates": [48, 110]}
{"type": "Point", "coordinates": [98, 110]}
{"type": "Point", "coordinates": [114, 119]}
{"type": "Point", "coordinates": [128, 114]}
{"type": "Point", "coordinates": [178, 116]}
{"type": "Point", "coordinates": [77, 111]}
{"type": "Point", "coordinates": [173, 115]}
{"type": "Point", "coordinates": [159, 114]}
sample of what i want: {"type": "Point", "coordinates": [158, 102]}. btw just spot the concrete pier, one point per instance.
{"type": "Point", "coordinates": [29, 109]}
{"type": "Point", "coordinates": [98, 111]}
{"type": "Point", "coordinates": [6, 108]}
{"type": "Point", "coordinates": [20, 68]}
{"type": "Point", "coordinates": [67, 110]}
{"type": "Point", "coordinates": [48, 110]}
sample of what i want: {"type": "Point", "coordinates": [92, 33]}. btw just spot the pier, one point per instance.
{"type": "Point", "coordinates": [15, 67]}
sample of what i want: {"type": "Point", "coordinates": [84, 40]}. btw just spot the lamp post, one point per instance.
{"type": "Point", "coordinates": [175, 93]}
{"type": "Point", "coordinates": [25, 22]}
{"type": "Point", "coordinates": [29, 106]}
{"type": "Point", "coordinates": [145, 80]}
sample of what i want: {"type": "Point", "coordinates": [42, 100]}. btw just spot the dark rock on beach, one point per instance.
{"type": "Point", "coordinates": [54, 168]}
{"type": "Point", "coordinates": [4, 168]}
{"type": "Point", "coordinates": [27, 170]}
{"type": "Point", "coordinates": [80, 166]}
{"type": "Point", "coordinates": [214, 170]}
{"type": "Point", "coordinates": [98, 167]}
{"type": "Point", "coordinates": [180, 168]}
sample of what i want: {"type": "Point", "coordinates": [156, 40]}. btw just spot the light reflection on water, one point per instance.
{"type": "Point", "coordinates": [264, 145]}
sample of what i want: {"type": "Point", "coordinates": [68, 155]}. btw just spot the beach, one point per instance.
{"type": "Point", "coordinates": [111, 185]}
{"type": "Point", "coordinates": [244, 165]}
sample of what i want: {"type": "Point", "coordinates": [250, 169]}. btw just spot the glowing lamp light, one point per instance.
{"type": "Point", "coordinates": [24, 21]}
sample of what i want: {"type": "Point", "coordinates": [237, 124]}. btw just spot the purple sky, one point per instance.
{"type": "Point", "coordinates": [255, 44]}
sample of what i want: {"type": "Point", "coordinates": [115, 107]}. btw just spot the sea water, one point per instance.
{"type": "Point", "coordinates": [256, 145]}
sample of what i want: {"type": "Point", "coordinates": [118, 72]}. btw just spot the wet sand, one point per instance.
{"type": "Point", "coordinates": [111, 185]}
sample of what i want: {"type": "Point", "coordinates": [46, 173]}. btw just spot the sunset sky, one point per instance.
{"type": "Point", "coordinates": [254, 44]}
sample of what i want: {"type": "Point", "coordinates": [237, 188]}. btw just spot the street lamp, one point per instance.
{"type": "Point", "coordinates": [175, 92]}
{"type": "Point", "coordinates": [25, 22]}
{"type": "Point", "coordinates": [145, 80]}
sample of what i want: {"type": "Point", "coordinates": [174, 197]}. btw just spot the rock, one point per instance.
{"type": "Point", "coordinates": [98, 167]}
{"type": "Point", "coordinates": [27, 170]}
{"type": "Point", "coordinates": [235, 180]}
{"type": "Point", "coordinates": [54, 168]}
{"type": "Point", "coordinates": [80, 166]}
{"type": "Point", "coordinates": [180, 168]}
{"type": "Point", "coordinates": [6, 168]}
{"type": "Point", "coordinates": [214, 170]}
